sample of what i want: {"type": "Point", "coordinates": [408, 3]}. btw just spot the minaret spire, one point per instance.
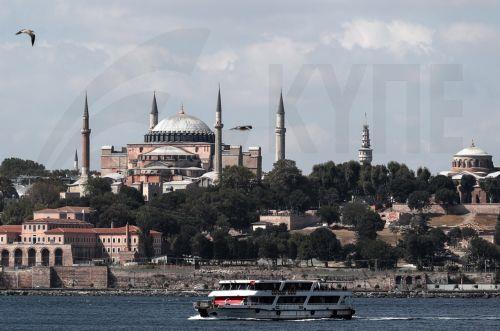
{"type": "Point", "coordinates": [280, 130]}
{"type": "Point", "coordinates": [365, 154]}
{"type": "Point", "coordinates": [85, 140]}
{"type": "Point", "coordinates": [75, 161]}
{"type": "Point", "coordinates": [153, 115]}
{"type": "Point", "coordinates": [218, 138]}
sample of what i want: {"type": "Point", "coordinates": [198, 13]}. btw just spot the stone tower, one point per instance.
{"type": "Point", "coordinates": [218, 138]}
{"type": "Point", "coordinates": [75, 161]}
{"type": "Point", "coordinates": [280, 130]}
{"type": "Point", "coordinates": [153, 115]}
{"type": "Point", "coordinates": [85, 140]}
{"type": "Point", "coordinates": [365, 152]}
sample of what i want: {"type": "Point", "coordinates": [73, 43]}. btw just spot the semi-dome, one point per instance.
{"type": "Point", "coordinates": [181, 122]}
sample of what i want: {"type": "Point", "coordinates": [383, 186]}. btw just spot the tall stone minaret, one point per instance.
{"type": "Point", "coordinates": [365, 152]}
{"type": "Point", "coordinates": [153, 115]}
{"type": "Point", "coordinates": [280, 130]}
{"type": "Point", "coordinates": [75, 161]}
{"type": "Point", "coordinates": [218, 138]}
{"type": "Point", "coordinates": [85, 140]}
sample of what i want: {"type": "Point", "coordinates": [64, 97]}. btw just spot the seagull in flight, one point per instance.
{"type": "Point", "coordinates": [29, 32]}
{"type": "Point", "coordinates": [242, 128]}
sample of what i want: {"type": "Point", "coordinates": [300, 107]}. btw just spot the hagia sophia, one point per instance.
{"type": "Point", "coordinates": [177, 152]}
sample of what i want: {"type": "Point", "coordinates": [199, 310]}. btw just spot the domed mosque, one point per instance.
{"type": "Point", "coordinates": [177, 152]}
{"type": "Point", "coordinates": [476, 162]}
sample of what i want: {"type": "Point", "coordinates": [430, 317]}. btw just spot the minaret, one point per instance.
{"type": "Point", "coordinates": [280, 130]}
{"type": "Point", "coordinates": [218, 138]}
{"type": "Point", "coordinates": [365, 152]}
{"type": "Point", "coordinates": [75, 161]}
{"type": "Point", "coordinates": [153, 115]}
{"type": "Point", "coordinates": [85, 140]}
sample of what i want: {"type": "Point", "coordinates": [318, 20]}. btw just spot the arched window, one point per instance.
{"type": "Point", "coordinates": [31, 257]}
{"type": "Point", "coordinates": [18, 258]}
{"type": "Point", "coordinates": [58, 257]}
{"type": "Point", "coordinates": [45, 257]}
{"type": "Point", "coordinates": [5, 258]}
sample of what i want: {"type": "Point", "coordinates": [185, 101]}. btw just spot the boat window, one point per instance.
{"type": "Point", "coordinates": [292, 287]}
{"type": "Point", "coordinates": [323, 299]}
{"type": "Point", "coordinates": [224, 287]}
{"type": "Point", "coordinates": [267, 286]}
{"type": "Point", "coordinates": [291, 299]}
{"type": "Point", "coordinates": [267, 300]}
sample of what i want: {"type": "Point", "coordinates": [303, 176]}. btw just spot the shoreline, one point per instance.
{"type": "Point", "coordinates": [197, 293]}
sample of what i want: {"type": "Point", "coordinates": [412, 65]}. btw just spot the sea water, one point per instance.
{"type": "Point", "coordinates": [176, 313]}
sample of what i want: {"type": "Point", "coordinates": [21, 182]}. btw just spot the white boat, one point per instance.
{"type": "Point", "coordinates": [277, 300]}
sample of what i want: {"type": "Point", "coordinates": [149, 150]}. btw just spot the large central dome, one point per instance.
{"type": "Point", "coordinates": [181, 122]}
{"type": "Point", "coordinates": [180, 128]}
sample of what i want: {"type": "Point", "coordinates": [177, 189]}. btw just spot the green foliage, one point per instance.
{"type": "Point", "coordinates": [423, 249]}
{"type": "Point", "coordinates": [15, 212]}
{"type": "Point", "coordinates": [365, 221]}
{"type": "Point", "coordinates": [237, 178]}
{"type": "Point", "coordinates": [96, 186]}
{"type": "Point", "coordinates": [378, 253]}
{"type": "Point", "coordinates": [325, 244]}
{"type": "Point", "coordinates": [446, 196]}
{"type": "Point", "coordinates": [201, 246]}
{"type": "Point", "coordinates": [467, 183]}
{"type": "Point", "coordinates": [329, 214]}
{"type": "Point", "coordinates": [117, 214]}
{"type": "Point", "coordinates": [441, 182]}
{"type": "Point", "coordinates": [288, 185]}
{"type": "Point", "coordinates": [45, 192]}
{"type": "Point", "coordinates": [7, 190]}
{"type": "Point", "coordinates": [482, 253]}
{"type": "Point", "coordinates": [492, 188]}
{"type": "Point", "coordinates": [14, 167]}
{"type": "Point", "coordinates": [419, 200]}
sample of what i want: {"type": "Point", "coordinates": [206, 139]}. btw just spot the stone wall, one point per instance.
{"type": "Point", "coordinates": [292, 222]}
{"type": "Point", "coordinates": [80, 277]}
{"type": "Point", "coordinates": [487, 208]}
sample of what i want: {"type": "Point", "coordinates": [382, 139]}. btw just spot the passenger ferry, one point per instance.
{"type": "Point", "coordinates": [277, 300]}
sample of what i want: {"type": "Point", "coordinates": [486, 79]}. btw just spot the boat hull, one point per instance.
{"type": "Point", "coordinates": [276, 314]}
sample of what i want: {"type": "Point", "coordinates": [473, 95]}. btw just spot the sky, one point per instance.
{"type": "Point", "coordinates": [425, 73]}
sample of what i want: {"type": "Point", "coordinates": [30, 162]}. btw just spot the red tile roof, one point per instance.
{"type": "Point", "coordinates": [70, 230]}
{"type": "Point", "coordinates": [10, 228]}
{"type": "Point", "coordinates": [102, 231]}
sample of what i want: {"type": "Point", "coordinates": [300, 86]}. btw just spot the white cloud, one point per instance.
{"type": "Point", "coordinates": [464, 32]}
{"type": "Point", "coordinates": [223, 60]}
{"type": "Point", "coordinates": [398, 37]}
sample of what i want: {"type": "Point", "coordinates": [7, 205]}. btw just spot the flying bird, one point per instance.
{"type": "Point", "coordinates": [29, 32]}
{"type": "Point", "coordinates": [242, 128]}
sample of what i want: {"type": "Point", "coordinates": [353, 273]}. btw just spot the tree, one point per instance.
{"type": "Point", "coordinates": [441, 182]}
{"type": "Point", "coordinates": [365, 221]}
{"type": "Point", "coordinates": [117, 214]}
{"type": "Point", "coordinates": [15, 212]}
{"type": "Point", "coordinates": [454, 236]}
{"type": "Point", "coordinates": [467, 183]}
{"type": "Point", "coordinates": [482, 253]}
{"type": "Point", "coordinates": [220, 245]}
{"type": "Point", "coordinates": [329, 214]}
{"type": "Point", "coordinates": [14, 167]}
{"type": "Point", "coordinates": [306, 249]}
{"type": "Point", "coordinates": [237, 178]}
{"type": "Point", "coordinates": [446, 197]}
{"type": "Point", "coordinates": [7, 189]}
{"type": "Point", "coordinates": [378, 253]}
{"type": "Point", "coordinates": [419, 200]}
{"type": "Point", "coordinates": [284, 179]}
{"type": "Point", "coordinates": [45, 192]}
{"type": "Point", "coordinates": [97, 186]}
{"type": "Point", "coordinates": [325, 244]}
{"type": "Point", "coordinates": [492, 188]}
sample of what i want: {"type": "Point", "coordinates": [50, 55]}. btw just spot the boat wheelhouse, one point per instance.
{"type": "Point", "coordinates": [277, 299]}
